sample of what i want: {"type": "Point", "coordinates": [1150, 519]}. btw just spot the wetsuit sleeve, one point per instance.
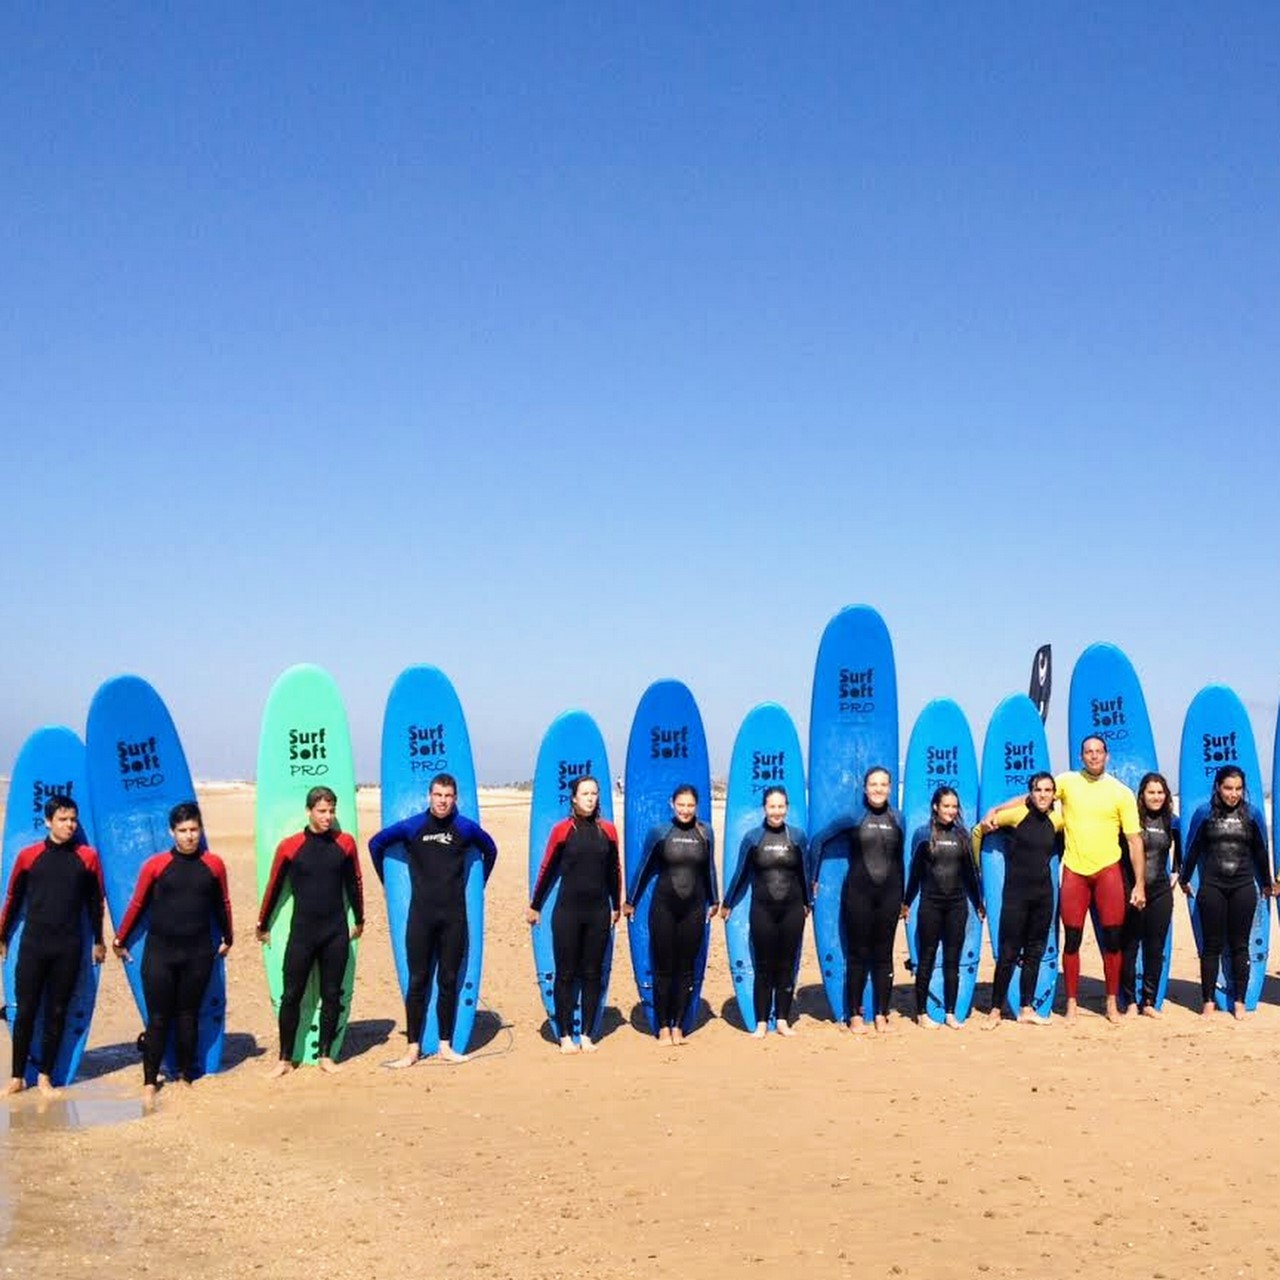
{"type": "Point", "coordinates": [818, 845]}
{"type": "Point", "coordinates": [801, 842]}
{"type": "Point", "coordinates": [617, 892]}
{"type": "Point", "coordinates": [480, 840]}
{"type": "Point", "coordinates": [713, 881]}
{"type": "Point", "coordinates": [649, 858]}
{"type": "Point", "coordinates": [550, 863]}
{"type": "Point", "coordinates": [147, 878]}
{"type": "Point", "coordinates": [746, 850]}
{"type": "Point", "coordinates": [285, 851]}
{"type": "Point", "coordinates": [17, 890]}
{"type": "Point", "coordinates": [351, 874]}
{"type": "Point", "coordinates": [95, 897]}
{"type": "Point", "coordinates": [919, 843]}
{"type": "Point", "coordinates": [1175, 844]}
{"type": "Point", "coordinates": [222, 896]}
{"type": "Point", "coordinates": [1191, 853]}
{"type": "Point", "coordinates": [397, 833]}
{"type": "Point", "coordinates": [1261, 854]}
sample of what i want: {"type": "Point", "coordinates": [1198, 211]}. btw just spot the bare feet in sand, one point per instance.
{"type": "Point", "coordinates": [993, 1020]}
{"type": "Point", "coordinates": [13, 1087]}
{"type": "Point", "coordinates": [409, 1058]}
{"type": "Point", "coordinates": [282, 1068]}
{"type": "Point", "coordinates": [926, 1023]}
{"type": "Point", "coordinates": [857, 1026]}
{"type": "Point", "coordinates": [762, 1030]}
{"type": "Point", "coordinates": [46, 1088]}
{"type": "Point", "coordinates": [1031, 1018]}
{"type": "Point", "coordinates": [590, 1046]}
{"type": "Point", "coordinates": [953, 1022]}
{"type": "Point", "coordinates": [449, 1054]}
{"type": "Point", "coordinates": [567, 1045]}
{"type": "Point", "coordinates": [664, 1037]}
{"type": "Point", "coordinates": [1150, 1011]}
{"type": "Point", "coordinates": [328, 1066]}
{"type": "Point", "coordinates": [1073, 1009]}
{"type": "Point", "coordinates": [786, 1029]}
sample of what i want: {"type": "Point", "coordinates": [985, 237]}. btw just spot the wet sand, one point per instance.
{"type": "Point", "coordinates": [1142, 1150]}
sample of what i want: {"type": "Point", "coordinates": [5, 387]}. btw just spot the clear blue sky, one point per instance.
{"type": "Point", "coordinates": [568, 347]}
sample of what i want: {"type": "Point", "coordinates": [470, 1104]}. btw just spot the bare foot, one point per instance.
{"type": "Point", "coordinates": [882, 1024]}
{"type": "Point", "coordinates": [45, 1086]}
{"type": "Point", "coordinates": [449, 1054]}
{"type": "Point", "coordinates": [1208, 1010]}
{"type": "Point", "coordinates": [664, 1036]}
{"type": "Point", "coordinates": [1240, 1013]}
{"type": "Point", "coordinates": [16, 1085]}
{"type": "Point", "coordinates": [148, 1097]}
{"type": "Point", "coordinates": [328, 1066]}
{"type": "Point", "coordinates": [857, 1026]}
{"type": "Point", "coordinates": [407, 1059]}
{"type": "Point", "coordinates": [1073, 1009]}
{"type": "Point", "coordinates": [282, 1068]}
{"type": "Point", "coordinates": [1031, 1018]}
{"type": "Point", "coordinates": [953, 1022]}
{"type": "Point", "coordinates": [993, 1019]}
{"type": "Point", "coordinates": [567, 1045]}
{"type": "Point", "coordinates": [1150, 1011]}
{"type": "Point", "coordinates": [590, 1046]}
{"type": "Point", "coordinates": [677, 1038]}
{"type": "Point", "coordinates": [1112, 1010]}
{"type": "Point", "coordinates": [786, 1029]}
{"type": "Point", "coordinates": [1132, 1010]}
{"type": "Point", "coordinates": [925, 1023]}
{"type": "Point", "coordinates": [762, 1030]}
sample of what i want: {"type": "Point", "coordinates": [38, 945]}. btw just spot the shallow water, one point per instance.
{"type": "Point", "coordinates": [81, 1107]}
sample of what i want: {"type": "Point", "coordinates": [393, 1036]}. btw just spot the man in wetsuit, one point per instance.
{"type": "Point", "coordinates": [437, 844]}
{"type": "Point", "coordinates": [59, 879]}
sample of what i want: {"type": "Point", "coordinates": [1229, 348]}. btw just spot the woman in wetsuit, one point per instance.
{"type": "Point", "coordinates": [1026, 907]}
{"type": "Point", "coordinates": [871, 898]}
{"type": "Point", "coordinates": [1148, 929]}
{"type": "Point", "coordinates": [1227, 843]}
{"type": "Point", "coordinates": [681, 856]}
{"type": "Point", "coordinates": [583, 851]}
{"type": "Point", "coordinates": [773, 855]}
{"type": "Point", "coordinates": [185, 891]}
{"type": "Point", "coordinates": [944, 875]}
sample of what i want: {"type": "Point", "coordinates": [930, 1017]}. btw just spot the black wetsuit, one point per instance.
{"type": "Point", "coordinates": [1148, 929]}
{"type": "Point", "coordinates": [943, 874]}
{"type": "Point", "coordinates": [324, 870]}
{"type": "Point", "coordinates": [59, 884]}
{"type": "Point", "coordinates": [1230, 850]}
{"type": "Point", "coordinates": [584, 853]}
{"type": "Point", "coordinates": [1026, 907]}
{"type": "Point", "coordinates": [774, 857]}
{"type": "Point", "coordinates": [186, 895]}
{"type": "Point", "coordinates": [680, 856]}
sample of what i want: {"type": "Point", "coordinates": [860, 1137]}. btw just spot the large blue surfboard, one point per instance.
{"type": "Point", "coordinates": [571, 748]}
{"type": "Point", "coordinates": [51, 762]}
{"type": "Point", "coordinates": [853, 726]}
{"type": "Point", "coordinates": [425, 733]}
{"type": "Point", "coordinates": [940, 754]}
{"type": "Point", "coordinates": [666, 749]}
{"type": "Point", "coordinates": [1217, 731]}
{"type": "Point", "coordinates": [766, 753]}
{"type": "Point", "coordinates": [1106, 701]}
{"type": "Point", "coordinates": [137, 773]}
{"type": "Point", "coordinates": [1013, 750]}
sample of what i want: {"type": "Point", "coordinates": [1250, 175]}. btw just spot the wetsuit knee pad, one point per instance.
{"type": "Point", "coordinates": [1071, 939]}
{"type": "Point", "coordinates": [1112, 937]}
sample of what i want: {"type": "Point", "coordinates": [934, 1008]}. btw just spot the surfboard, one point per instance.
{"type": "Point", "coordinates": [1106, 701]}
{"type": "Point", "coordinates": [666, 748]}
{"type": "Point", "coordinates": [940, 754]}
{"type": "Point", "coordinates": [1013, 750]}
{"type": "Point", "coordinates": [137, 773]}
{"type": "Point", "coordinates": [766, 753]}
{"type": "Point", "coordinates": [1217, 731]}
{"type": "Point", "coordinates": [425, 733]}
{"type": "Point", "coordinates": [853, 726]}
{"type": "Point", "coordinates": [572, 747]}
{"type": "Point", "coordinates": [304, 743]}
{"type": "Point", "coordinates": [51, 762]}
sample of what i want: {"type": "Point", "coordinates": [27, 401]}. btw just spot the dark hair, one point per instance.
{"type": "Point", "coordinates": [316, 794]}
{"type": "Point", "coordinates": [866, 777]}
{"type": "Point", "coordinates": [443, 780]}
{"type": "Point", "coordinates": [577, 783]}
{"type": "Point", "coordinates": [1165, 812]}
{"type": "Point", "coordinates": [1039, 777]}
{"type": "Point", "coordinates": [934, 801]}
{"type": "Point", "coordinates": [775, 790]}
{"type": "Point", "coordinates": [1225, 772]}
{"type": "Point", "coordinates": [682, 789]}
{"type": "Point", "coordinates": [1094, 737]}
{"type": "Point", "coordinates": [187, 811]}
{"type": "Point", "coordinates": [60, 801]}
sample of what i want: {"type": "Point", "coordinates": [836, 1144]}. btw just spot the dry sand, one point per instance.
{"type": "Point", "coordinates": [1142, 1150]}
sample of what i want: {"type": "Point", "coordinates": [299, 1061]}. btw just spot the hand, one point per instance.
{"type": "Point", "coordinates": [904, 912]}
{"type": "Point", "coordinates": [628, 910]}
{"type": "Point", "coordinates": [222, 950]}
{"type": "Point", "coordinates": [356, 931]}
{"type": "Point", "coordinates": [1138, 898]}
{"type": "Point", "coordinates": [99, 952]}
{"type": "Point", "coordinates": [982, 913]}
{"type": "Point", "coordinates": [807, 910]}
{"type": "Point", "coordinates": [262, 935]}
{"type": "Point", "coordinates": [616, 916]}
{"type": "Point", "coordinates": [725, 912]}
{"type": "Point", "coordinates": [712, 911]}
{"type": "Point", "coordinates": [122, 952]}
{"type": "Point", "coordinates": [532, 917]}
{"type": "Point", "coordinates": [1186, 889]}
{"type": "Point", "coordinates": [4, 950]}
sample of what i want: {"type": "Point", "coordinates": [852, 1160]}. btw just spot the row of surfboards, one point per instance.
{"type": "Point", "coordinates": [132, 769]}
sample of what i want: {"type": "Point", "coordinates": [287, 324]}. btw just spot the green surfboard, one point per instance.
{"type": "Point", "coordinates": [305, 743]}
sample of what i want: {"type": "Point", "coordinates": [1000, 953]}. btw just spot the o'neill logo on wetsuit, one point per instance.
{"type": "Point", "coordinates": [942, 762]}
{"type": "Point", "coordinates": [768, 769]}
{"type": "Point", "coordinates": [1019, 761]}
{"type": "Point", "coordinates": [139, 764]}
{"type": "Point", "coordinates": [40, 793]}
{"type": "Point", "coordinates": [308, 753]}
{"type": "Point", "coordinates": [669, 744]}
{"type": "Point", "coordinates": [1219, 749]}
{"type": "Point", "coordinates": [1108, 718]}
{"type": "Point", "coordinates": [428, 752]}
{"type": "Point", "coordinates": [568, 771]}
{"type": "Point", "coordinates": [857, 691]}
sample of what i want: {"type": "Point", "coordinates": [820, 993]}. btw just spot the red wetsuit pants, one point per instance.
{"type": "Point", "coordinates": [1104, 890]}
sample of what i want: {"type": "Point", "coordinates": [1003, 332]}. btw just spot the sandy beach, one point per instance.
{"type": "Point", "coordinates": [1142, 1150]}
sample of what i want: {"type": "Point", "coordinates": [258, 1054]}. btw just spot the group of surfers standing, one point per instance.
{"type": "Point", "coordinates": [1120, 856]}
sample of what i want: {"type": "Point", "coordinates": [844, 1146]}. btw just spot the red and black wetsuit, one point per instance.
{"type": "Point", "coordinates": [323, 869]}
{"type": "Point", "coordinates": [59, 883]}
{"type": "Point", "coordinates": [584, 853]}
{"type": "Point", "coordinates": [1147, 929]}
{"type": "Point", "coordinates": [186, 894]}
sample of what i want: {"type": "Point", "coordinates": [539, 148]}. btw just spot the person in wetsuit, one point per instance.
{"type": "Point", "coordinates": [582, 850]}
{"type": "Point", "coordinates": [773, 856]}
{"type": "Point", "coordinates": [871, 897]}
{"type": "Point", "coordinates": [1227, 843]}
{"type": "Point", "coordinates": [322, 866]}
{"type": "Point", "coordinates": [681, 856]}
{"type": "Point", "coordinates": [1034, 839]}
{"type": "Point", "coordinates": [1146, 930]}
{"type": "Point", "coordinates": [943, 873]}
{"type": "Point", "coordinates": [437, 846]}
{"type": "Point", "coordinates": [185, 891]}
{"type": "Point", "coordinates": [59, 880]}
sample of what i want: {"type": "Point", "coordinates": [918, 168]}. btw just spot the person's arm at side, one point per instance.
{"type": "Point", "coordinates": [354, 883]}
{"type": "Point", "coordinates": [221, 901]}
{"type": "Point", "coordinates": [745, 851]}
{"type": "Point", "coordinates": [137, 905]}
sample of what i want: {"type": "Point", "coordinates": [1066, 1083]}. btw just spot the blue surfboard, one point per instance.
{"type": "Point", "coordinates": [137, 773]}
{"type": "Point", "coordinates": [853, 726]}
{"type": "Point", "coordinates": [766, 753]}
{"type": "Point", "coordinates": [1013, 750]}
{"type": "Point", "coordinates": [1106, 701]}
{"type": "Point", "coordinates": [666, 748]}
{"type": "Point", "coordinates": [51, 762]}
{"type": "Point", "coordinates": [940, 754]}
{"type": "Point", "coordinates": [571, 748]}
{"type": "Point", "coordinates": [425, 733]}
{"type": "Point", "coordinates": [1217, 731]}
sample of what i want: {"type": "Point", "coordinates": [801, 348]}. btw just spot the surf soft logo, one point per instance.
{"type": "Point", "coordinates": [857, 691]}
{"type": "Point", "coordinates": [1108, 718]}
{"type": "Point", "coordinates": [768, 769]}
{"type": "Point", "coordinates": [41, 793]}
{"type": "Point", "coordinates": [942, 764]}
{"type": "Point", "coordinates": [1019, 762]}
{"type": "Point", "coordinates": [308, 753]}
{"type": "Point", "coordinates": [1219, 749]}
{"type": "Point", "coordinates": [139, 763]}
{"type": "Point", "coordinates": [568, 772]}
{"type": "Point", "coordinates": [669, 744]}
{"type": "Point", "coordinates": [428, 750]}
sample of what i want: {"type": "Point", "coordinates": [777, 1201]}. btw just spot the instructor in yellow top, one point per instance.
{"type": "Point", "coordinates": [1098, 810]}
